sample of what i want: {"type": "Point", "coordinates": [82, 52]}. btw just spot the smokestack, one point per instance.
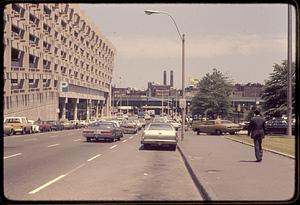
{"type": "Point", "coordinates": [165, 77]}
{"type": "Point", "coordinates": [171, 78]}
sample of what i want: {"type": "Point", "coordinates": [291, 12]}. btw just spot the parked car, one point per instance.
{"type": "Point", "coordinates": [55, 125]}
{"type": "Point", "coordinates": [67, 125]}
{"type": "Point", "coordinates": [244, 125]}
{"type": "Point", "coordinates": [142, 121]}
{"type": "Point", "coordinates": [82, 124]}
{"type": "Point", "coordinates": [175, 124]}
{"type": "Point", "coordinates": [129, 126]}
{"type": "Point", "coordinates": [159, 134]}
{"type": "Point", "coordinates": [35, 126]}
{"type": "Point", "coordinates": [276, 126]}
{"type": "Point", "coordinates": [19, 124]}
{"type": "Point", "coordinates": [102, 131]}
{"type": "Point", "coordinates": [138, 124]}
{"type": "Point", "coordinates": [216, 127]}
{"type": "Point", "coordinates": [44, 126]}
{"type": "Point", "coordinates": [8, 129]}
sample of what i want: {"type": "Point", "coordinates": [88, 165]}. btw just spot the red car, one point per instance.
{"type": "Point", "coordinates": [44, 126]}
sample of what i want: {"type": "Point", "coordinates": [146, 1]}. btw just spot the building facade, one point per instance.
{"type": "Point", "coordinates": [57, 64]}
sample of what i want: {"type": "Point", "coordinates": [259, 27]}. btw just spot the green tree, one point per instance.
{"type": "Point", "coordinates": [212, 98]}
{"type": "Point", "coordinates": [275, 90]}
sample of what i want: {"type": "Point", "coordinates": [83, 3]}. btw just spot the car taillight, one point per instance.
{"type": "Point", "coordinates": [87, 132]}
{"type": "Point", "coordinates": [106, 132]}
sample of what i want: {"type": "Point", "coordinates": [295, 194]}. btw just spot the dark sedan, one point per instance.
{"type": "Point", "coordinates": [276, 126]}
{"type": "Point", "coordinates": [102, 131]}
{"type": "Point", "coordinates": [56, 125]}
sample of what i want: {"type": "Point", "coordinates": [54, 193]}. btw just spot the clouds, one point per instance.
{"type": "Point", "coordinates": [241, 40]}
{"type": "Point", "coordinates": [210, 46]}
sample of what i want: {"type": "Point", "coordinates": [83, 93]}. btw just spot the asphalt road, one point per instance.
{"type": "Point", "coordinates": [63, 166]}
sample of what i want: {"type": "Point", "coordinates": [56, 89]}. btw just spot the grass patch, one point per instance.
{"type": "Point", "coordinates": [282, 144]}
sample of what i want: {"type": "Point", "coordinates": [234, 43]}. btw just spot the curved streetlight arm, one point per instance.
{"type": "Point", "coordinates": [149, 12]}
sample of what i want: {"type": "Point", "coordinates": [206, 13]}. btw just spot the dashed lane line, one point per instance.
{"type": "Point", "coordinates": [55, 180]}
{"type": "Point", "coordinates": [124, 141]}
{"type": "Point", "coordinates": [47, 184]}
{"type": "Point", "coordinates": [14, 155]}
{"type": "Point", "coordinates": [98, 155]}
{"type": "Point", "coordinates": [131, 137]}
{"type": "Point", "coordinates": [77, 140]}
{"type": "Point", "coordinates": [53, 145]}
{"type": "Point", "coordinates": [112, 147]}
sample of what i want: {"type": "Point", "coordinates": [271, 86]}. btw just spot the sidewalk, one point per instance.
{"type": "Point", "coordinates": [228, 170]}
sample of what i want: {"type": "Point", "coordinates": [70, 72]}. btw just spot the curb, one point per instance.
{"type": "Point", "coordinates": [205, 191]}
{"type": "Point", "coordinates": [266, 149]}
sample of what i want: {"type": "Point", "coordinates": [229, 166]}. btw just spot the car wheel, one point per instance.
{"type": "Point", "coordinates": [218, 132]}
{"type": "Point", "coordinates": [23, 131]}
{"type": "Point", "coordinates": [232, 133]}
{"type": "Point", "coordinates": [198, 132]}
{"type": "Point", "coordinates": [88, 139]}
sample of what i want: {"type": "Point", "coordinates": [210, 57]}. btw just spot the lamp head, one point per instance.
{"type": "Point", "coordinates": [149, 12]}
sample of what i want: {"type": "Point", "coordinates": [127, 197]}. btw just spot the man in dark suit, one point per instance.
{"type": "Point", "coordinates": [257, 130]}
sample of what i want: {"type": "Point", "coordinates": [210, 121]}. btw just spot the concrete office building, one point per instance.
{"type": "Point", "coordinates": [57, 64]}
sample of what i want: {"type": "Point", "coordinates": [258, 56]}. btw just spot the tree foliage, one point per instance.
{"type": "Point", "coordinates": [213, 94]}
{"type": "Point", "coordinates": [275, 90]}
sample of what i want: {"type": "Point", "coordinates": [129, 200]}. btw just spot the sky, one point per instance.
{"type": "Point", "coordinates": [243, 41]}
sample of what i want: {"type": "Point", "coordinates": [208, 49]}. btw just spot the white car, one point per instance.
{"type": "Point", "coordinates": [35, 127]}
{"type": "Point", "coordinates": [159, 134]}
{"type": "Point", "coordinates": [176, 125]}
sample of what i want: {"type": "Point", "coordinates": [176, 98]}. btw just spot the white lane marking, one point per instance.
{"type": "Point", "coordinates": [55, 180]}
{"type": "Point", "coordinates": [73, 170]}
{"type": "Point", "coordinates": [113, 146]}
{"type": "Point", "coordinates": [30, 139]}
{"type": "Point", "coordinates": [131, 137]}
{"type": "Point", "coordinates": [98, 155]}
{"type": "Point", "coordinates": [124, 141]}
{"type": "Point", "coordinates": [53, 145]}
{"type": "Point", "coordinates": [136, 134]}
{"type": "Point", "coordinates": [47, 184]}
{"type": "Point", "coordinates": [14, 155]}
{"type": "Point", "coordinates": [77, 140]}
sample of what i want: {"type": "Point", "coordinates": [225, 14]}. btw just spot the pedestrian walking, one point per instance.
{"type": "Point", "coordinates": [256, 130]}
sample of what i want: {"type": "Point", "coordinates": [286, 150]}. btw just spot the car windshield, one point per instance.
{"type": "Point", "coordinates": [160, 126]}
{"type": "Point", "coordinates": [105, 126]}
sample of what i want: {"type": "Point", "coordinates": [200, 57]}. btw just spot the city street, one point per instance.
{"type": "Point", "coordinates": [63, 166]}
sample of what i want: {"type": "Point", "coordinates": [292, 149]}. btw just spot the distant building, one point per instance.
{"type": "Point", "coordinates": [247, 90]}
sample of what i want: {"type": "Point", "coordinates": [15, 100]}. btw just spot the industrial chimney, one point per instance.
{"type": "Point", "coordinates": [171, 78]}
{"type": "Point", "coordinates": [165, 77]}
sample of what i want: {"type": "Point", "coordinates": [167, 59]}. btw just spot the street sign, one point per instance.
{"type": "Point", "coordinates": [182, 103]}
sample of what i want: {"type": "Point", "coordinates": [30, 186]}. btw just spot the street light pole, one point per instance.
{"type": "Point", "coordinates": [182, 37]}
{"type": "Point", "coordinates": [183, 89]}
